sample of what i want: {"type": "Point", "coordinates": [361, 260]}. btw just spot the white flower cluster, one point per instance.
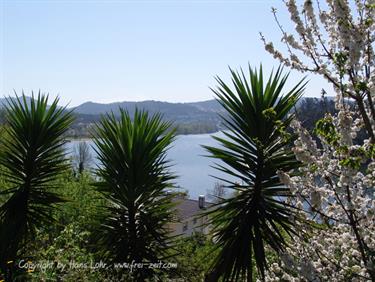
{"type": "Point", "coordinates": [340, 199]}
{"type": "Point", "coordinates": [335, 189]}
{"type": "Point", "coordinates": [337, 33]}
{"type": "Point", "coordinates": [328, 257]}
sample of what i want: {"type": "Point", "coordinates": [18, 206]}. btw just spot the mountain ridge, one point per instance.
{"type": "Point", "coordinates": [150, 105]}
{"type": "Point", "coordinates": [188, 118]}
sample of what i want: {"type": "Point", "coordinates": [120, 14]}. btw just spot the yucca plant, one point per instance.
{"type": "Point", "coordinates": [2, 116]}
{"type": "Point", "coordinates": [32, 156]}
{"type": "Point", "coordinates": [134, 178]}
{"type": "Point", "coordinates": [254, 149]}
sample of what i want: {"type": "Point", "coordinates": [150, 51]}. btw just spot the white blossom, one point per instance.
{"type": "Point", "coordinates": [337, 179]}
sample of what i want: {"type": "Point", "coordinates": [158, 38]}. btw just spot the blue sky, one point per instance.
{"type": "Point", "coordinates": [108, 51]}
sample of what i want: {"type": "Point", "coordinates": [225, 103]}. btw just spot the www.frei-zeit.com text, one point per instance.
{"type": "Point", "coordinates": [32, 266]}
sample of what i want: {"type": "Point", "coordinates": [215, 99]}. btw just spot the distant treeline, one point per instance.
{"type": "Point", "coordinates": [197, 128]}
{"type": "Point", "coordinates": [83, 130]}
{"type": "Point", "coordinates": [308, 110]}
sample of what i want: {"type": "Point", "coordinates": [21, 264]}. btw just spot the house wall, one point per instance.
{"type": "Point", "coordinates": [190, 226]}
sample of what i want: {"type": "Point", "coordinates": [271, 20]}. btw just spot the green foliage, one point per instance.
{"type": "Point", "coordinates": [354, 163]}
{"type": "Point", "coordinates": [351, 159]}
{"type": "Point", "coordinates": [269, 114]}
{"type": "Point", "coordinates": [354, 157]}
{"type": "Point", "coordinates": [371, 151]}
{"type": "Point", "coordinates": [64, 255]}
{"type": "Point", "coordinates": [134, 177]}
{"type": "Point", "coordinates": [83, 203]}
{"type": "Point", "coordinates": [31, 158]}
{"type": "Point", "coordinates": [327, 130]}
{"type": "Point", "coordinates": [68, 241]}
{"type": "Point", "coordinates": [197, 253]}
{"type": "Point", "coordinates": [254, 150]}
{"type": "Point", "coordinates": [340, 59]}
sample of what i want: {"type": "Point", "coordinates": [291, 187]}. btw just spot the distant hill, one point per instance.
{"type": "Point", "coordinates": [3, 101]}
{"type": "Point", "coordinates": [189, 118]}
{"type": "Point", "coordinates": [197, 117]}
{"type": "Point", "coordinates": [209, 105]}
{"type": "Point", "coordinates": [179, 111]}
{"type": "Point", "coordinates": [153, 106]}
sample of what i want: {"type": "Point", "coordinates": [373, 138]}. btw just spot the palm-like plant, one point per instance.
{"type": "Point", "coordinates": [134, 177]}
{"type": "Point", "coordinates": [2, 116]}
{"type": "Point", "coordinates": [254, 150]}
{"type": "Point", "coordinates": [32, 155]}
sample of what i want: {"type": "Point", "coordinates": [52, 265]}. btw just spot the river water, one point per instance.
{"type": "Point", "coordinates": [194, 170]}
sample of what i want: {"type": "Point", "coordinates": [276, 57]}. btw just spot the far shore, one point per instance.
{"type": "Point", "coordinates": [178, 134]}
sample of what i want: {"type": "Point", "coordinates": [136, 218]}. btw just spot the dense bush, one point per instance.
{"type": "Point", "coordinates": [69, 241]}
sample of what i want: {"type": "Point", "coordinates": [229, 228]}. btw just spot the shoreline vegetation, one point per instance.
{"type": "Point", "coordinates": [82, 131]}
{"type": "Point", "coordinates": [189, 118]}
{"type": "Point", "coordinates": [90, 138]}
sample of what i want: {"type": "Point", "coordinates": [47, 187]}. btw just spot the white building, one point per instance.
{"type": "Point", "coordinates": [189, 219]}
